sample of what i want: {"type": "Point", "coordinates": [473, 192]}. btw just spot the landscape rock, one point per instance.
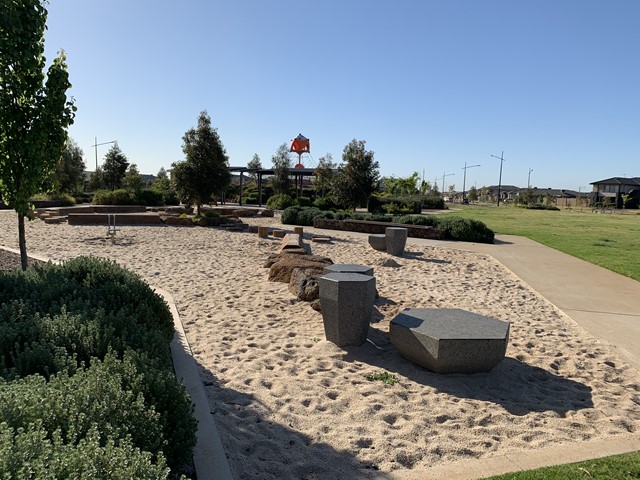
{"type": "Point", "coordinates": [304, 283]}
{"type": "Point", "coordinates": [282, 268]}
{"type": "Point", "coordinates": [265, 213]}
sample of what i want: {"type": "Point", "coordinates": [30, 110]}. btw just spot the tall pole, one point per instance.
{"type": "Point", "coordinates": [529, 179]}
{"type": "Point", "coordinates": [464, 179]}
{"type": "Point", "coordinates": [96, 145]}
{"type": "Point", "coordinates": [445, 175]}
{"type": "Point", "coordinates": [501, 157]}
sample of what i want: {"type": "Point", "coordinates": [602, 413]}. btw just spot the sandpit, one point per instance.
{"type": "Point", "coordinates": [290, 405]}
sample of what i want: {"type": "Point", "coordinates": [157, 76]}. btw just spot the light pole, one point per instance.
{"type": "Point", "coordinates": [464, 179]}
{"type": "Point", "coordinates": [96, 145]}
{"type": "Point", "coordinates": [501, 157]}
{"type": "Point", "coordinates": [529, 179]}
{"type": "Point", "coordinates": [444, 175]}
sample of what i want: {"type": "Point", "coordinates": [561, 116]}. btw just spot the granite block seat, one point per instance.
{"type": "Point", "coordinates": [378, 241]}
{"type": "Point", "coordinates": [346, 300]}
{"type": "Point", "coordinates": [396, 240]}
{"type": "Point", "coordinates": [449, 340]}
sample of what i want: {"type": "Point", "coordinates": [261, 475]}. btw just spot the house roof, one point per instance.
{"type": "Point", "coordinates": [635, 181]}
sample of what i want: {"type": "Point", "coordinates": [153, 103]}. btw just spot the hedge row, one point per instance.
{"type": "Point", "coordinates": [84, 354]}
{"type": "Point", "coordinates": [124, 197]}
{"type": "Point", "coordinates": [403, 205]}
{"type": "Point", "coordinates": [454, 228]}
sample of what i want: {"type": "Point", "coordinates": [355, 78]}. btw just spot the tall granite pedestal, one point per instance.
{"type": "Point", "coordinates": [347, 303]}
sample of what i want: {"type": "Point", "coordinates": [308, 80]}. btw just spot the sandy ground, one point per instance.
{"type": "Point", "coordinates": [290, 405]}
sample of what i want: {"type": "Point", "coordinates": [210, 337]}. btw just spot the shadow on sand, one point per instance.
{"type": "Point", "coordinates": [518, 387]}
{"type": "Point", "coordinates": [278, 452]}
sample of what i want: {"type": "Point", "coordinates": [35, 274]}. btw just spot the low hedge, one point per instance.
{"type": "Point", "coordinates": [124, 197]}
{"type": "Point", "coordinates": [454, 228]}
{"type": "Point", "coordinates": [410, 204]}
{"type": "Point", "coordinates": [84, 351]}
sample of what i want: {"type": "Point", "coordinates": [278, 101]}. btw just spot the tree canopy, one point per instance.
{"type": "Point", "coordinates": [357, 177]}
{"type": "Point", "coordinates": [34, 109]}
{"type": "Point", "coordinates": [205, 170]}
{"type": "Point", "coordinates": [254, 163]}
{"type": "Point", "coordinates": [325, 173]}
{"type": "Point", "coordinates": [114, 167]}
{"type": "Point", "coordinates": [69, 176]}
{"type": "Point", "coordinates": [281, 181]}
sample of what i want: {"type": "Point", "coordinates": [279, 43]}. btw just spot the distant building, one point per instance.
{"type": "Point", "coordinates": [612, 189]}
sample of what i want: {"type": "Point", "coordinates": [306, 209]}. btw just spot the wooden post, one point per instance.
{"type": "Point", "coordinates": [263, 232]}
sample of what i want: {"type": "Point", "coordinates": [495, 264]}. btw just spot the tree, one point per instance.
{"type": "Point", "coordinates": [132, 179]}
{"type": "Point", "coordinates": [357, 177]}
{"type": "Point", "coordinates": [69, 176]}
{"type": "Point", "coordinates": [97, 181]}
{"type": "Point", "coordinates": [254, 163]}
{"type": "Point", "coordinates": [281, 181]}
{"type": "Point", "coordinates": [161, 184]}
{"type": "Point", "coordinates": [402, 186]}
{"type": "Point", "coordinates": [325, 174]}
{"type": "Point", "coordinates": [34, 112]}
{"type": "Point", "coordinates": [114, 167]}
{"type": "Point", "coordinates": [205, 170]}
{"type": "Point", "coordinates": [472, 194]}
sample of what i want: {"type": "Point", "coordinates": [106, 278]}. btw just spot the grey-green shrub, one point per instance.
{"type": "Point", "coordinates": [280, 201]}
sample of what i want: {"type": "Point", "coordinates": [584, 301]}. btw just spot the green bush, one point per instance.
{"type": "Point", "coordinates": [280, 201]}
{"type": "Point", "coordinates": [290, 215]}
{"type": "Point", "coordinates": [91, 328]}
{"type": "Point", "coordinates": [149, 197]}
{"type": "Point", "coordinates": [539, 206]}
{"type": "Point", "coordinates": [116, 197]}
{"type": "Point", "coordinates": [394, 205]}
{"type": "Point", "coordinates": [210, 214]}
{"type": "Point", "coordinates": [304, 202]}
{"type": "Point", "coordinates": [454, 228]}
{"type": "Point", "coordinates": [324, 203]}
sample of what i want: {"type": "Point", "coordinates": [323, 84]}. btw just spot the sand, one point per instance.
{"type": "Point", "coordinates": [291, 405]}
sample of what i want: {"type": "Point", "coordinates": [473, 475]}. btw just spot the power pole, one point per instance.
{"type": "Point", "coordinates": [529, 179]}
{"type": "Point", "coordinates": [445, 175]}
{"type": "Point", "coordinates": [464, 179]}
{"type": "Point", "coordinates": [96, 145]}
{"type": "Point", "coordinates": [501, 157]}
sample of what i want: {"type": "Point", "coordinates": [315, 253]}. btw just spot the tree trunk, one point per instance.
{"type": "Point", "coordinates": [22, 239]}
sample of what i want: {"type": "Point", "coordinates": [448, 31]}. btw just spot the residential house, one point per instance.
{"type": "Point", "coordinates": [611, 190]}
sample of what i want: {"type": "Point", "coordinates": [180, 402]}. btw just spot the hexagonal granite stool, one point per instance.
{"type": "Point", "coordinates": [449, 340]}
{"type": "Point", "coordinates": [349, 268]}
{"type": "Point", "coordinates": [346, 300]}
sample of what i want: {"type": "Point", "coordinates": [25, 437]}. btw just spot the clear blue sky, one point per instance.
{"type": "Point", "coordinates": [429, 85]}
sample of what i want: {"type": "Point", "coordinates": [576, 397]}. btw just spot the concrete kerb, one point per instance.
{"type": "Point", "coordinates": [208, 455]}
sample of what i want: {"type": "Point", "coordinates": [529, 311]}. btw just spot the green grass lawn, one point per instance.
{"type": "Point", "coordinates": [617, 467]}
{"type": "Point", "coordinates": [609, 240]}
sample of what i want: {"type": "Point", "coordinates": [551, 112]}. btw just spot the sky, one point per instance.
{"type": "Point", "coordinates": [431, 86]}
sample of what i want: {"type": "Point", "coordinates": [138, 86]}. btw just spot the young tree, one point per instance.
{"type": "Point", "coordinates": [254, 163]}
{"type": "Point", "coordinates": [34, 112]}
{"type": "Point", "coordinates": [161, 184]}
{"type": "Point", "coordinates": [472, 194]}
{"type": "Point", "coordinates": [69, 176]}
{"type": "Point", "coordinates": [325, 173]}
{"type": "Point", "coordinates": [281, 181]}
{"type": "Point", "coordinates": [132, 179]}
{"type": "Point", "coordinates": [114, 167]}
{"type": "Point", "coordinates": [205, 170]}
{"type": "Point", "coordinates": [402, 185]}
{"type": "Point", "coordinates": [97, 181]}
{"type": "Point", "coordinates": [357, 177]}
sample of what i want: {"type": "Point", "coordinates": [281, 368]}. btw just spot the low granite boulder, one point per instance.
{"type": "Point", "coordinates": [304, 283]}
{"type": "Point", "coordinates": [449, 340]}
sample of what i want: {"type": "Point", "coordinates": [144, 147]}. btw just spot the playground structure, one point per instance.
{"type": "Point", "coordinates": [300, 145]}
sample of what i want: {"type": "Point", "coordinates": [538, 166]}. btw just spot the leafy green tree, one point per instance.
{"type": "Point", "coordinates": [402, 186]}
{"type": "Point", "coordinates": [162, 183]}
{"type": "Point", "coordinates": [69, 176]}
{"type": "Point", "coordinates": [254, 163]}
{"type": "Point", "coordinates": [34, 112]}
{"type": "Point", "coordinates": [97, 181]}
{"type": "Point", "coordinates": [205, 170]}
{"type": "Point", "coordinates": [132, 179]}
{"type": "Point", "coordinates": [114, 167]}
{"type": "Point", "coordinates": [472, 194]}
{"type": "Point", "coordinates": [325, 174]}
{"type": "Point", "coordinates": [357, 177]}
{"type": "Point", "coordinates": [281, 181]}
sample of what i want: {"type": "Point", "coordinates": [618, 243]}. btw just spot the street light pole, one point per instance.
{"type": "Point", "coordinates": [464, 179]}
{"type": "Point", "coordinates": [96, 145]}
{"type": "Point", "coordinates": [501, 157]}
{"type": "Point", "coordinates": [444, 175]}
{"type": "Point", "coordinates": [529, 179]}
